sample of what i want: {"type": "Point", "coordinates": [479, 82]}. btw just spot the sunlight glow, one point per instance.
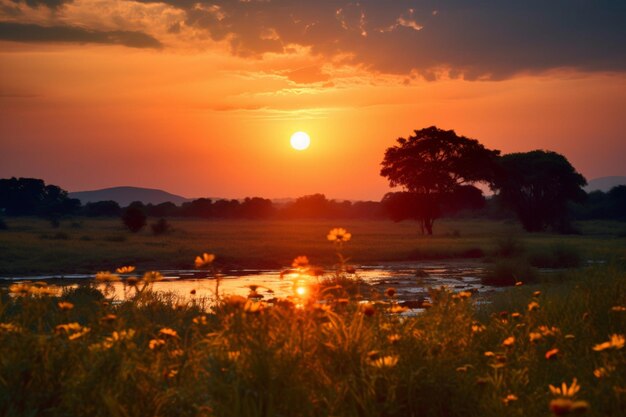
{"type": "Point", "coordinates": [300, 141]}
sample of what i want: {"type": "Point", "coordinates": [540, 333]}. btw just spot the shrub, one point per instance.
{"type": "Point", "coordinates": [134, 219]}
{"type": "Point", "coordinates": [160, 227]}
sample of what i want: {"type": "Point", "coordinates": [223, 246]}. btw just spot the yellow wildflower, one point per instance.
{"type": "Point", "coordinates": [618, 308]}
{"type": "Point", "coordinates": [339, 235]}
{"type": "Point", "coordinates": [535, 336]}
{"type": "Point", "coordinates": [167, 332]}
{"type": "Point", "coordinates": [156, 343]}
{"type": "Point", "coordinates": [552, 353]}
{"type": "Point", "coordinates": [65, 305]}
{"type": "Point", "coordinates": [368, 309]}
{"type": "Point", "coordinates": [396, 309]}
{"type": "Point", "coordinates": [616, 341]}
{"type": "Point", "coordinates": [20, 288]}
{"type": "Point", "coordinates": [509, 398]}
{"type": "Point", "coordinates": [108, 318]}
{"type": "Point", "coordinates": [233, 355]}
{"type": "Point", "coordinates": [125, 269]}
{"type": "Point", "coordinates": [394, 338]}
{"type": "Point", "coordinates": [519, 283]}
{"type": "Point", "coordinates": [564, 390]}
{"type": "Point", "coordinates": [490, 354]}
{"type": "Point", "coordinates": [9, 328]}
{"type": "Point", "coordinates": [509, 341]}
{"type": "Point", "coordinates": [533, 305]}
{"type": "Point", "coordinates": [106, 276]}
{"type": "Point", "coordinates": [536, 294]}
{"type": "Point", "coordinates": [516, 315]}
{"type": "Point", "coordinates": [385, 361]}
{"type": "Point", "coordinates": [152, 276]}
{"type": "Point", "coordinates": [204, 260]}
{"type": "Point", "coordinates": [603, 372]}
{"type": "Point", "coordinates": [200, 320]}
{"type": "Point", "coordinates": [478, 328]}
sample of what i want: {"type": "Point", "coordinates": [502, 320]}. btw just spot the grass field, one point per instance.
{"type": "Point", "coordinates": [83, 245]}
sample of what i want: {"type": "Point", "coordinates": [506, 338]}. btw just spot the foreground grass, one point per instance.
{"type": "Point", "coordinates": [31, 246]}
{"type": "Point", "coordinates": [161, 356]}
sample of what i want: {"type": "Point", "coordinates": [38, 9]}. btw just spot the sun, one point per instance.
{"type": "Point", "coordinates": [300, 141]}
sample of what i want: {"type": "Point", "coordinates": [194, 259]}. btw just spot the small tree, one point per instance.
{"type": "Point", "coordinates": [537, 186]}
{"type": "Point", "coordinates": [433, 165]}
{"type": "Point", "coordinates": [134, 219]}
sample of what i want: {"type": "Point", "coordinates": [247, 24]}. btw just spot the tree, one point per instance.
{"type": "Point", "coordinates": [106, 208]}
{"type": "Point", "coordinates": [134, 218]}
{"type": "Point", "coordinates": [537, 186]}
{"type": "Point", "coordinates": [433, 165]}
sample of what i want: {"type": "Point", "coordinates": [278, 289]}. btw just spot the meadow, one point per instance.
{"type": "Point", "coordinates": [85, 245]}
{"type": "Point", "coordinates": [555, 348]}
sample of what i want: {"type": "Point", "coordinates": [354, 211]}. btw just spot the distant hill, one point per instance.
{"type": "Point", "coordinates": [604, 183]}
{"type": "Point", "coordinates": [126, 195]}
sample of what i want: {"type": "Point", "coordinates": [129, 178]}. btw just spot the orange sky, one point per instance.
{"type": "Point", "coordinates": [197, 117]}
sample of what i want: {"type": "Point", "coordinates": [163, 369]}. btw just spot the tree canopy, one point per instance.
{"type": "Point", "coordinates": [537, 186]}
{"type": "Point", "coordinates": [434, 165]}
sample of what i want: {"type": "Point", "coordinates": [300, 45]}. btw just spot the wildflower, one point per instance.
{"type": "Point", "coordinates": [125, 269]}
{"type": "Point", "coordinates": [562, 406]}
{"type": "Point", "coordinates": [533, 305]}
{"type": "Point", "coordinates": [152, 276]}
{"type": "Point", "coordinates": [20, 288]}
{"type": "Point", "coordinates": [603, 372]}
{"type": "Point", "coordinates": [552, 353]}
{"type": "Point", "coordinates": [564, 390]}
{"type": "Point", "coordinates": [176, 353]}
{"type": "Point", "coordinates": [233, 355]}
{"type": "Point", "coordinates": [172, 373]}
{"type": "Point", "coordinates": [616, 342]}
{"type": "Point", "coordinates": [618, 308]}
{"type": "Point", "coordinates": [464, 294]}
{"type": "Point", "coordinates": [396, 309]}
{"type": "Point", "coordinates": [509, 398]}
{"type": "Point", "coordinates": [65, 305]}
{"type": "Point", "coordinates": [478, 328]}
{"type": "Point", "coordinates": [489, 354]}
{"type": "Point", "coordinates": [535, 337]}
{"type": "Point", "coordinates": [167, 332]}
{"type": "Point", "coordinates": [394, 338]}
{"type": "Point", "coordinates": [519, 283]}
{"type": "Point", "coordinates": [9, 328]}
{"type": "Point", "coordinates": [368, 309]}
{"type": "Point", "coordinates": [509, 341]}
{"type": "Point", "coordinates": [536, 294]}
{"type": "Point", "coordinates": [72, 330]}
{"type": "Point", "coordinates": [570, 336]}
{"type": "Point", "coordinates": [108, 318]}
{"type": "Point", "coordinates": [516, 315]}
{"type": "Point", "coordinates": [106, 276]}
{"type": "Point", "coordinates": [464, 368]}
{"type": "Point", "coordinates": [390, 292]}
{"type": "Point", "coordinates": [156, 343]}
{"type": "Point", "coordinates": [204, 260]}
{"type": "Point", "coordinates": [339, 235]}
{"type": "Point", "coordinates": [300, 262]}
{"type": "Point", "coordinates": [385, 361]}
{"type": "Point", "coordinates": [200, 320]}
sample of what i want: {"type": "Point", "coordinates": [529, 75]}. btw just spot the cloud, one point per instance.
{"type": "Point", "coordinates": [487, 39]}
{"type": "Point", "coordinates": [19, 32]}
{"type": "Point", "coordinates": [490, 39]}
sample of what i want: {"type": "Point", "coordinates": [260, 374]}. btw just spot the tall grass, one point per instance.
{"type": "Point", "coordinates": [162, 355]}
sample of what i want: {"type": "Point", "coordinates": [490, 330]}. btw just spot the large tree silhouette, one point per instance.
{"type": "Point", "coordinates": [537, 185]}
{"type": "Point", "coordinates": [433, 165]}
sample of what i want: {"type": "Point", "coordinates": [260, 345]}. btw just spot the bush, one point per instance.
{"type": "Point", "coordinates": [160, 227]}
{"type": "Point", "coordinates": [559, 256]}
{"type": "Point", "coordinates": [134, 219]}
{"type": "Point", "coordinates": [509, 272]}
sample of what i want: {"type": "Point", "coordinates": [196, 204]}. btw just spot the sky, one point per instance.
{"type": "Point", "coordinates": [200, 98]}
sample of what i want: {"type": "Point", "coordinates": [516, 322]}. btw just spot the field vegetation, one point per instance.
{"type": "Point", "coordinates": [85, 245]}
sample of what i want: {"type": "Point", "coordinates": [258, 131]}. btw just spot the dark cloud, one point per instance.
{"type": "Point", "coordinates": [35, 33]}
{"type": "Point", "coordinates": [491, 39]}
{"type": "Point", "coordinates": [52, 4]}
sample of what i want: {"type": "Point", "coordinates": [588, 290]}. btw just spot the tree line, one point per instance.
{"type": "Point", "coordinates": [436, 171]}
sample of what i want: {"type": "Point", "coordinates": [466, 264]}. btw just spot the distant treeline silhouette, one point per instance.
{"type": "Point", "coordinates": [32, 197]}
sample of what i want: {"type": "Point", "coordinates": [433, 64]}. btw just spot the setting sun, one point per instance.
{"type": "Point", "coordinates": [300, 141]}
